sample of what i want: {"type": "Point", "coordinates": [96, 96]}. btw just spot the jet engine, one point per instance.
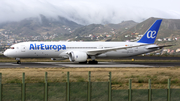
{"type": "Point", "coordinates": [77, 56]}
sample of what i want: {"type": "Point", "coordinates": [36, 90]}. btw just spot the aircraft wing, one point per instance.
{"type": "Point", "coordinates": [100, 51]}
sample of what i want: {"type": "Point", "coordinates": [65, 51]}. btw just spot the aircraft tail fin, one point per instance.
{"type": "Point", "coordinates": [150, 36]}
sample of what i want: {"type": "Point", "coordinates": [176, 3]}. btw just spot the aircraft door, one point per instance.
{"type": "Point", "coordinates": [23, 48]}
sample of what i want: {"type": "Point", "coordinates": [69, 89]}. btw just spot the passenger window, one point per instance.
{"type": "Point", "coordinates": [12, 47]}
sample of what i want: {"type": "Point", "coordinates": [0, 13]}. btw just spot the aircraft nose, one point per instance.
{"type": "Point", "coordinates": [6, 53]}
{"type": "Point", "coordinates": [9, 53]}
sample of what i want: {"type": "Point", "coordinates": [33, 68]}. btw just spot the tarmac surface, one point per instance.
{"type": "Point", "coordinates": [99, 65]}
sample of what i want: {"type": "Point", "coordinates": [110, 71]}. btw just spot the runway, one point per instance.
{"type": "Point", "coordinates": [100, 65]}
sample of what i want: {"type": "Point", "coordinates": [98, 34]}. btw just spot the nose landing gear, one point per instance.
{"type": "Point", "coordinates": [18, 60]}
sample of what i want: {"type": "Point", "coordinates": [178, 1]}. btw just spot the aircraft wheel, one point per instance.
{"type": "Point", "coordinates": [93, 62]}
{"type": "Point", "coordinates": [96, 62]}
{"type": "Point", "coordinates": [18, 62]}
{"type": "Point", "coordinates": [85, 62]}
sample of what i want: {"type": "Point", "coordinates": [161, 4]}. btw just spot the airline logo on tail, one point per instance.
{"type": "Point", "coordinates": [150, 35]}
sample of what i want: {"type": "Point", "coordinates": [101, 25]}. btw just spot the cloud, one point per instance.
{"type": "Point", "coordinates": [89, 11]}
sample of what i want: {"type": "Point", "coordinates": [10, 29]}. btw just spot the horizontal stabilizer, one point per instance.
{"type": "Point", "coordinates": [165, 46]}
{"type": "Point", "coordinates": [157, 47]}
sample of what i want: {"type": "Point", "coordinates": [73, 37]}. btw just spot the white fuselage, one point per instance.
{"type": "Point", "coordinates": [60, 49]}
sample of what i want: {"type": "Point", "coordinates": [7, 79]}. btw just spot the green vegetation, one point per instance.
{"type": "Point", "coordinates": [120, 76]}
{"type": "Point", "coordinates": [78, 92]}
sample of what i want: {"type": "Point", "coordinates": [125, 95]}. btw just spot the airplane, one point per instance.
{"type": "Point", "coordinates": [79, 52]}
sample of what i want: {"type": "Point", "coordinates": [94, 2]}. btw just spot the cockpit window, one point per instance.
{"type": "Point", "coordinates": [12, 48]}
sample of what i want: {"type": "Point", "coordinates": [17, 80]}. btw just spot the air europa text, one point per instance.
{"type": "Point", "coordinates": [47, 47]}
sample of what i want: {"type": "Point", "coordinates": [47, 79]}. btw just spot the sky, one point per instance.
{"type": "Point", "coordinates": [90, 11]}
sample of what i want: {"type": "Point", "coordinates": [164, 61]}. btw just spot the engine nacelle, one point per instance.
{"type": "Point", "coordinates": [77, 56]}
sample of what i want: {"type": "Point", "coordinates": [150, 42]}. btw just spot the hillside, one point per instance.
{"type": "Point", "coordinates": [169, 28]}
{"type": "Point", "coordinates": [48, 29]}
{"type": "Point", "coordinates": [102, 30]}
{"type": "Point", "coordinates": [39, 26]}
{"type": "Point", "coordinates": [44, 28]}
{"type": "Point", "coordinates": [169, 32]}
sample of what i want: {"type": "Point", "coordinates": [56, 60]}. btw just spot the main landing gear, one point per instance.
{"type": "Point", "coordinates": [89, 62]}
{"type": "Point", "coordinates": [93, 61]}
{"type": "Point", "coordinates": [18, 60]}
{"type": "Point", "coordinates": [85, 62]}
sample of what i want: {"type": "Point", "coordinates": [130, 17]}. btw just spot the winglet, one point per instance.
{"type": "Point", "coordinates": [150, 36]}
